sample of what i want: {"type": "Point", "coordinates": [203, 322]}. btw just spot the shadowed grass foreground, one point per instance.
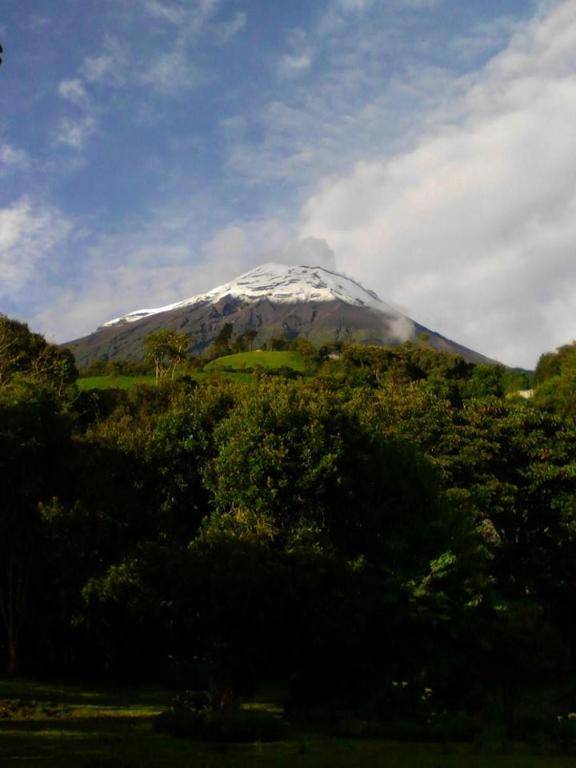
{"type": "Point", "coordinates": [63, 725]}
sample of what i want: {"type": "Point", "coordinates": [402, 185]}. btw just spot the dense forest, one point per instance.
{"type": "Point", "coordinates": [390, 535]}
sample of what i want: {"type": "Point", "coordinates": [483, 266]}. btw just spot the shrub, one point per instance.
{"type": "Point", "coordinates": [190, 717]}
{"type": "Point", "coordinates": [564, 734]}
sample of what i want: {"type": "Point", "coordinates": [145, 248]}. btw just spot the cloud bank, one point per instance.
{"type": "Point", "coordinates": [474, 229]}
{"type": "Point", "coordinates": [28, 233]}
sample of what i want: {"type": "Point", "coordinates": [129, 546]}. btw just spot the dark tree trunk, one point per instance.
{"type": "Point", "coordinates": [12, 646]}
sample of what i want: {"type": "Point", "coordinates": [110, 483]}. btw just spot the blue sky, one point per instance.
{"type": "Point", "coordinates": [151, 149]}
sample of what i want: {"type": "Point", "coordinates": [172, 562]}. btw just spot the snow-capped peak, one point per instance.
{"type": "Point", "coordinates": [280, 284]}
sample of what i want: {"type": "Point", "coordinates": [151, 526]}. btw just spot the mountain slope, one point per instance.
{"type": "Point", "coordinates": [274, 300]}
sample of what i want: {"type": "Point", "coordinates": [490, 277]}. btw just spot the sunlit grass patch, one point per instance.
{"type": "Point", "coordinates": [259, 358]}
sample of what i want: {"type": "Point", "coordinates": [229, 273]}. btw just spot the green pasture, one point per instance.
{"type": "Point", "coordinates": [228, 367]}
{"type": "Point", "coordinates": [259, 358]}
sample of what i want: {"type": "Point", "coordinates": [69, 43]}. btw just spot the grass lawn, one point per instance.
{"type": "Point", "coordinates": [64, 725]}
{"type": "Point", "coordinates": [259, 358]}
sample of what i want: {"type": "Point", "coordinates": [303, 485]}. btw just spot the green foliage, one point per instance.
{"type": "Point", "coordinates": [555, 379]}
{"type": "Point", "coordinates": [244, 342]}
{"type": "Point", "coordinates": [27, 355]}
{"type": "Point", "coordinates": [486, 381]}
{"type": "Point", "coordinates": [191, 715]}
{"type": "Point", "coordinates": [166, 350]}
{"type": "Point", "coordinates": [117, 368]}
{"type": "Point", "coordinates": [278, 343]}
{"type": "Point", "coordinates": [517, 379]}
{"type": "Point", "coordinates": [553, 364]}
{"type": "Point", "coordinates": [222, 344]}
{"type": "Point", "coordinates": [113, 382]}
{"type": "Point", "coordinates": [34, 439]}
{"type": "Point", "coordinates": [393, 517]}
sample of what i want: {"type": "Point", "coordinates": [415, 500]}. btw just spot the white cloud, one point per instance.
{"type": "Point", "coordinates": [485, 37]}
{"type": "Point", "coordinates": [417, 4]}
{"type": "Point", "coordinates": [12, 159]}
{"type": "Point", "coordinates": [74, 132]}
{"type": "Point", "coordinates": [28, 233]}
{"type": "Point", "coordinates": [229, 28]}
{"type": "Point", "coordinates": [362, 5]}
{"type": "Point", "coordinates": [74, 92]}
{"type": "Point", "coordinates": [195, 18]}
{"type": "Point", "coordinates": [171, 72]}
{"type": "Point", "coordinates": [109, 66]}
{"type": "Point", "coordinates": [308, 251]}
{"type": "Point", "coordinates": [294, 64]}
{"type": "Point", "coordinates": [158, 262]}
{"type": "Point", "coordinates": [474, 228]}
{"type": "Point", "coordinates": [168, 66]}
{"type": "Point", "coordinates": [164, 11]}
{"type": "Point", "coordinates": [349, 84]}
{"type": "Point", "coordinates": [353, 5]}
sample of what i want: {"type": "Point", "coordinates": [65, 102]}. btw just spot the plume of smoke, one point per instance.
{"type": "Point", "coordinates": [400, 328]}
{"type": "Point", "coordinates": [309, 252]}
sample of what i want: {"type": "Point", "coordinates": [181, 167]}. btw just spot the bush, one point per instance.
{"type": "Point", "coordinates": [556, 735]}
{"type": "Point", "coordinates": [191, 717]}
{"type": "Point", "coordinates": [24, 709]}
{"type": "Point", "coordinates": [285, 372]}
{"type": "Point", "coordinates": [564, 734]}
{"type": "Point", "coordinates": [442, 727]}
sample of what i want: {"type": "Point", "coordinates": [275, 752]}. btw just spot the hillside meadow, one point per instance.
{"type": "Point", "coordinates": [259, 358]}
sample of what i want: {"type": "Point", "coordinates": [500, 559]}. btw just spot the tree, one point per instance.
{"type": "Point", "coordinates": [555, 363]}
{"type": "Point", "coordinates": [486, 381]}
{"type": "Point", "coordinates": [555, 379]}
{"type": "Point", "coordinates": [33, 443]}
{"type": "Point", "coordinates": [221, 344]}
{"type": "Point", "coordinates": [245, 341]}
{"type": "Point", "coordinates": [250, 338]}
{"type": "Point", "coordinates": [29, 355]}
{"type": "Point", "coordinates": [166, 350]}
{"type": "Point", "coordinates": [277, 343]}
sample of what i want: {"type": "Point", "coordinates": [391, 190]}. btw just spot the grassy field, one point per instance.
{"type": "Point", "coordinates": [113, 382]}
{"type": "Point", "coordinates": [63, 725]}
{"type": "Point", "coordinates": [259, 358]}
{"type": "Point", "coordinates": [233, 363]}
{"type": "Point", "coordinates": [127, 382]}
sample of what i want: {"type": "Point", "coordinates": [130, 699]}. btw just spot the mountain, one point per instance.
{"type": "Point", "coordinates": [273, 299]}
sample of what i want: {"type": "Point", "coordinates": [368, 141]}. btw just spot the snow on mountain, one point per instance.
{"type": "Point", "coordinates": [279, 284]}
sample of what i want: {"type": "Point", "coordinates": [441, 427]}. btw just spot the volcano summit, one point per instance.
{"type": "Point", "coordinates": [274, 300]}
